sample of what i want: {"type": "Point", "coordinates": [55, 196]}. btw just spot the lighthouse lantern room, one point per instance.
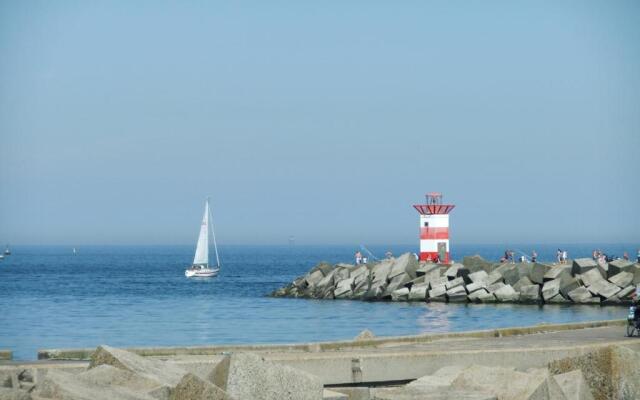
{"type": "Point", "coordinates": [434, 229]}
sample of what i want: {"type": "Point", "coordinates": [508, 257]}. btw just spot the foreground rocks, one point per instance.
{"type": "Point", "coordinates": [474, 280]}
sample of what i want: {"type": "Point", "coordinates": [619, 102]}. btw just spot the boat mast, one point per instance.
{"type": "Point", "coordinates": [215, 245]}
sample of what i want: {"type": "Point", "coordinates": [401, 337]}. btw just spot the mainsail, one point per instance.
{"type": "Point", "coordinates": [202, 249]}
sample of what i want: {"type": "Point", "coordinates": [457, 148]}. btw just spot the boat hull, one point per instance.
{"type": "Point", "coordinates": [201, 273]}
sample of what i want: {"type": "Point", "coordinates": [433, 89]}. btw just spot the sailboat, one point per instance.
{"type": "Point", "coordinates": [7, 252]}
{"type": "Point", "coordinates": [200, 267]}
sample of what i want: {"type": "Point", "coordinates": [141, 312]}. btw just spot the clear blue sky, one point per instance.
{"type": "Point", "coordinates": [325, 120]}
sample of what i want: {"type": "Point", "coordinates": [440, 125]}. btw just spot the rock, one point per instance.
{"type": "Point", "coordinates": [476, 295]}
{"type": "Point", "coordinates": [626, 292]}
{"type": "Point", "coordinates": [396, 282]}
{"type": "Point", "coordinates": [494, 277]}
{"type": "Point", "coordinates": [486, 297]}
{"type": "Point", "coordinates": [603, 288]}
{"type": "Point", "coordinates": [419, 292]}
{"type": "Point", "coordinates": [506, 294]}
{"type": "Point", "coordinates": [479, 276]}
{"type": "Point", "coordinates": [538, 272]}
{"type": "Point", "coordinates": [590, 277]}
{"type": "Point", "coordinates": [192, 387]}
{"type": "Point", "coordinates": [457, 290]}
{"type": "Point", "coordinates": [331, 395]}
{"type": "Point", "coordinates": [492, 288]}
{"type": "Point", "coordinates": [324, 267]}
{"type": "Point", "coordinates": [530, 294]}
{"type": "Point", "coordinates": [558, 299]}
{"type": "Point", "coordinates": [551, 289]}
{"type": "Point", "coordinates": [9, 377]}
{"type": "Point", "coordinates": [314, 277]}
{"type": "Point", "coordinates": [405, 264]}
{"type": "Point", "coordinates": [13, 394]}
{"type": "Point", "coordinates": [582, 265]}
{"type": "Point", "coordinates": [581, 295]}
{"type": "Point", "coordinates": [454, 283]}
{"type": "Point", "coordinates": [603, 267]}
{"type": "Point", "coordinates": [617, 266]}
{"type": "Point", "coordinates": [428, 269]}
{"type": "Point", "coordinates": [476, 263]}
{"type": "Point", "coordinates": [401, 294]}
{"type": "Point", "coordinates": [636, 274]}
{"type": "Point", "coordinates": [341, 272]}
{"type": "Point", "coordinates": [344, 288]}
{"type": "Point", "coordinates": [441, 281]}
{"type": "Point", "coordinates": [622, 279]}
{"type": "Point", "coordinates": [249, 376]}
{"type": "Point", "coordinates": [472, 287]}
{"type": "Point", "coordinates": [567, 285]}
{"type": "Point", "coordinates": [573, 385]}
{"type": "Point", "coordinates": [438, 291]}
{"type": "Point", "coordinates": [612, 372]}
{"type": "Point", "coordinates": [557, 272]}
{"type": "Point", "coordinates": [508, 384]}
{"type": "Point", "coordinates": [380, 271]}
{"type": "Point", "coordinates": [165, 373]}
{"type": "Point", "coordinates": [63, 385]}
{"type": "Point", "coordinates": [524, 281]}
{"type": "Point", "coordinates": [365, 335]}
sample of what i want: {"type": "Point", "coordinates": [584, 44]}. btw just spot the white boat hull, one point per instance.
{"type": "Point", "coordinates": [201, 273]}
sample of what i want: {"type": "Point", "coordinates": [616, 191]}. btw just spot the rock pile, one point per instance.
{"type": "Point", "coordinates": [474, 280]}
{"type": "Point", "coordinates": [119, 374]}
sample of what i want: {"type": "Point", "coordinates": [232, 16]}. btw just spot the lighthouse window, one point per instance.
{"type": "Point", "coordinates": [426, 224]}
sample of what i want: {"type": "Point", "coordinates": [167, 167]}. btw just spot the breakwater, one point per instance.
{"type": "Point", "coordinates": [581, 281]}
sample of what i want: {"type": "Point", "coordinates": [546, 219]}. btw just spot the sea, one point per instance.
{"type": "Point", "coordinates": [130, 296]}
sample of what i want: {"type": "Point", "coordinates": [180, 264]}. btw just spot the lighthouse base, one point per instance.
{"type": "Point", "coordinates": [434, 256]}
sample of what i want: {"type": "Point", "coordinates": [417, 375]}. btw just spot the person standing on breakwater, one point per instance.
{"type": "Point", "coordinates": [638, 259]}
{"type": "Point", "coordinates": [388, 254]}
{"type": "Point", "coordinates": [564, 256]}
{"type": "Point", "coordinates": [358, 257]}
{"type": "Point", "coordinates": [559, 256]}
{"type": "Point", "coordinates": [534, 256]}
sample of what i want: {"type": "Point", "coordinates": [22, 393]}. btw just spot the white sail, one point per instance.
{"type": "Point", "coordinates": [202, 249]}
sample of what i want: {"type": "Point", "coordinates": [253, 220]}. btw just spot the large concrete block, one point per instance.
{"type": "Point", "coordinates": [454, 283]}
{"type": "Point", "coordinates": [486, 297]}
{"type": "Point", "coordinates": [494, 277]}
{"type": "Point", "coordinates": [622, 279]}
{"type": "Point", "coordinates": [636, 274]}
{"type": "Point", "coordinates": [612, 372]}
{"type": "Point", "coordinates": [314, 277]}
{"type": "Point", "coordinates": [324, 267]}
{"type": "Point", "coordinates": [551, 289]}
{"type": "Point", "coordinates": [428, 269]}
{"type": "Point", "coordinates": [165, 373]}
{"type": "Point", "coordinates": [438, 282]}
{"type": "Point", "coordinates": [582, 265]}
{"type": "Point", "coordinates": [537, 273]}
{"type": "Point", "coordinates": [568, 285]}
{"type": "Point", "coordinates": [626, 293]}
{"type": "Point", "coordinates": [249, 376]}
{"type": "Point", "coordinates": [419, 292]}
{"type": "Point", "coordinates": [493, 287]}
{"type": "Point", "coordinates": [604, 289]}
{"type": "Point", "coordinates": [573, 385]}
{"type": "Point", "coordinates": [380, 271]}
{"type": "Point", "coordinates": [592, 276]}
{"type": "Point", "coordinates": [344, 288]}
{"type": "Point", "coordinates": [558, 299]}
{"type": "Point", "coordinates": [405, 264]}
{"type": "Point", "coordinates": [617, 266]}
{"type": "Point", "coordinates": [472, 287]}
{"type": "Point", "coordinates": [401, 294]}
{"type": "Point", "coordinates": [476, 295]}
{"type": "Point", "coordinates": [506, 294]}
{"type": "Point", "coordinates": [438, 292]}
{"type": "Point", "coordinates": [479, 276]}
{"type": "Point", "coordinates": [530, 294]}
{"type": "Point", "coordinates": [457, 290]}
{"type": "Point", "coordinates": [581, 295]}
{"type": "Point", "coordinates": [14, 394]}
{"type": "Point", "coordinates": [395, 283]}
{"type": "Point", "coordinates": [476, 263]}
{"type": "Point", "coordinates": [192, 387]}
{"type": "Point", "coordinates": [523, 281]}
{"type": "Point", "coordinates": [557, 272]}
{"type": "Point", "coordinates": [331, 395]}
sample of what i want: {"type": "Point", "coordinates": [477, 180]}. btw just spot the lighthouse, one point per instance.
{"type": "Point", "coordinates": [434, 229]}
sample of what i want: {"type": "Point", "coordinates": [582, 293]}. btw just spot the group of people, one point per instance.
{"type": "Point", "coordinates": [562, 256]}
{"type": "Point", "coordinates": [509, 257]}
{"type": "Point", "coordinates": [360, 259]}
{"type": "Point", "coordinates": [601, 257]}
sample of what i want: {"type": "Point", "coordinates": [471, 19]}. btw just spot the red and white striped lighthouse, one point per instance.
{"type": "Point", "coordinates": [434, 229]}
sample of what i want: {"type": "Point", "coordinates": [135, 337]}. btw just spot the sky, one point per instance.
{"type": "Point", "coordinates": [325, 120]}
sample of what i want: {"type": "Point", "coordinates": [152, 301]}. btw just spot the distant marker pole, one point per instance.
{"type": "Point", "coordinates": [434, 228]}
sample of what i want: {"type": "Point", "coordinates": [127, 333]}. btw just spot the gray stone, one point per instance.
{"type": "Point", "coordinates": [506, 294]}
{"type": "Point", "coordinates": [604, 289]}
{"type": "Point", "coordinates": [249, 376]}
{"type": "Point", "coordinates": [492, 288]}
{"type": "Point", "coordinates": [323, 267]}
{"type": "Point", "coordinates": [396, 282]}
{"type": "Point", "coordinates": [441, 281]}
{"type": "Point", "coordinates": [494, 277]}
{"type": "Point", "coordinates": [558, 299]}
{"type": "Point", "coordinates": [405, 264]}
{"type": "Point", "coordinates": [380, 271]}
{"type": "Point", "coordinates": [344, 288]}
{"type": "Point", "coordinates": [580, 295]}
{"type": "Point", "coordinates": [342, 272]}
{"type": "Point", "coordinates": [401, 294]}
{"type": "Point", "coordinates": [454, 283]}
{"type": "Point", "coordinates": [617, 266]}
{"type": "Point", "coordinates": [626, 292]}
{"type": "Point", "coordinates": [438, 291]}
{"type": "Point", "coordinates": [472, 287]}
{"type": "Point", "coordinates": [419, 292]}
{"type": "Point", "coordinates": [486, 297]}
{"type": "Point", "coordinates": [165, 373]}
{"type": "Point", "coordinates": [476, 295]}
{"type": "Point", "coordinates": [13, 394]}
{"type": "Point", "coordinates": [558, 272]}
{"type": "Point", "coordinates": [582, 265]}
{"type": "Point", "coordinates": [592, 276]}
{"type": "Point", "coordinates": [192, 387]}
{"type": "Point", "coordinates": [568, 285]}
{"type": "Point", "coordinates": [530, 293]}
{"type": "Point", "coordinates": [331, 395]}
{"type": "Point", "coordinates": [603, 267]}
{"type": "Point", "coordinates": [573, 385]}
{"type": "Point", "coordinates": [476, 263]}
{"type": "Point", "coordinates": [479, 276]}
{"type": "Point", "coordinates": [622, 279]}
{"type": "Point", "coordinates": [457, 298]}
{"type": "Point", "coordinates": [457, 290]}
{"type": "Point", "coordinates": [551, 289]}
{"type": "Point", "coordinates": [537, 273]}
{"type": "Point", "coordinates": [636, 274]}
{"type": "Point", "coordinates": [428, 269]}
{"type": "Point", "coordinates": [524, 281]}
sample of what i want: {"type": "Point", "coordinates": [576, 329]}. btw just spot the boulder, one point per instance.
{"type": "Point", "coordinates": [249, 376]}
{"type": "Point", "coordinates": [405, 264]}
{"type": "Point", "coordinates": [428, 270]}
{"type": "Point", "coordinates": [401, 294]}
{"type": "Point", "coordinates": [438, 282]}
{"type": "Point", "coordinates": [476, 295]}
{"type": "Point", "coordinates": [492, 288]}
{"type": "Point", "coordinates": [341, 272]}
{"type": "Point", "coordinates": [551, 289]}
{"type": "Point", "coordinates": [494, 277]}
{"type": "Point", "coordinates": [506, 294]}
{"type": "Point", "coordinates": [419, 292]}
{"type": "Point", "coordinates": [580, 295]}
{"type": "Point", "coordinates": [568, 285]}
{"type": "Point", "coordinates": [454, 283]}
{"type": "Point", "coordinates": [164, 373]}
{"type": "Point", "coordinates": [192, 387]}
{"type": "Point", "coordinates": [573, 385]}
{"type": "Point", "coordinates": [626, 293]}
{"type": "Point", "coordinates": [479, 276]}
{"type": "Point", "coordinates": [395, 283]}
{"type": "Point", "coordinates": [622, 279]}
{"type": "Point", "coordinates": [617, 266]}
{"type": "Point", "coordinates": [324, 267]}
{"type": "Point", "coordinates": [344, 288]}
{"type": "Point", "coordinates": [558, 271]}
{"type": "Point", "coordinates": [457, 290]}
{"type": "Point", "coordinates": [476, 263]}
{"type": "Point", "coordinates": [524, 281]}
{"type": "Point", "coordinates": [314, 277]}
{"type": "Point", "coordinates": [604, 289]}
{"type": "Point", "coordinates": [380, 271]}
{"type": "Point", "coordinates": [530, 294]}
{"type": "Point", "coordinates": [582, 265]}
{"type": "Point", "coordinates": [592, 276]}
{"type": "Point", "coordinates": [611, 372]}
{"type": "Point", "coordinates": [538, 272]}
{"type": "Point", "coordinates": [558, 299]}
{"type": "Point", "coordinates": [486, 297]}
{"type": "Point", "coordinates": [472, 287]}
{"type": "Point", "coordinates": [636, 274]}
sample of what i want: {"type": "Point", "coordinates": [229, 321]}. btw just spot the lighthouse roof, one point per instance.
{"type": "Point", "coordinates": [430, 209]}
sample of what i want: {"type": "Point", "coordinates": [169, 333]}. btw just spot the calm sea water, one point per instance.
{"type": "Point", "coordinates": [138, 296]}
